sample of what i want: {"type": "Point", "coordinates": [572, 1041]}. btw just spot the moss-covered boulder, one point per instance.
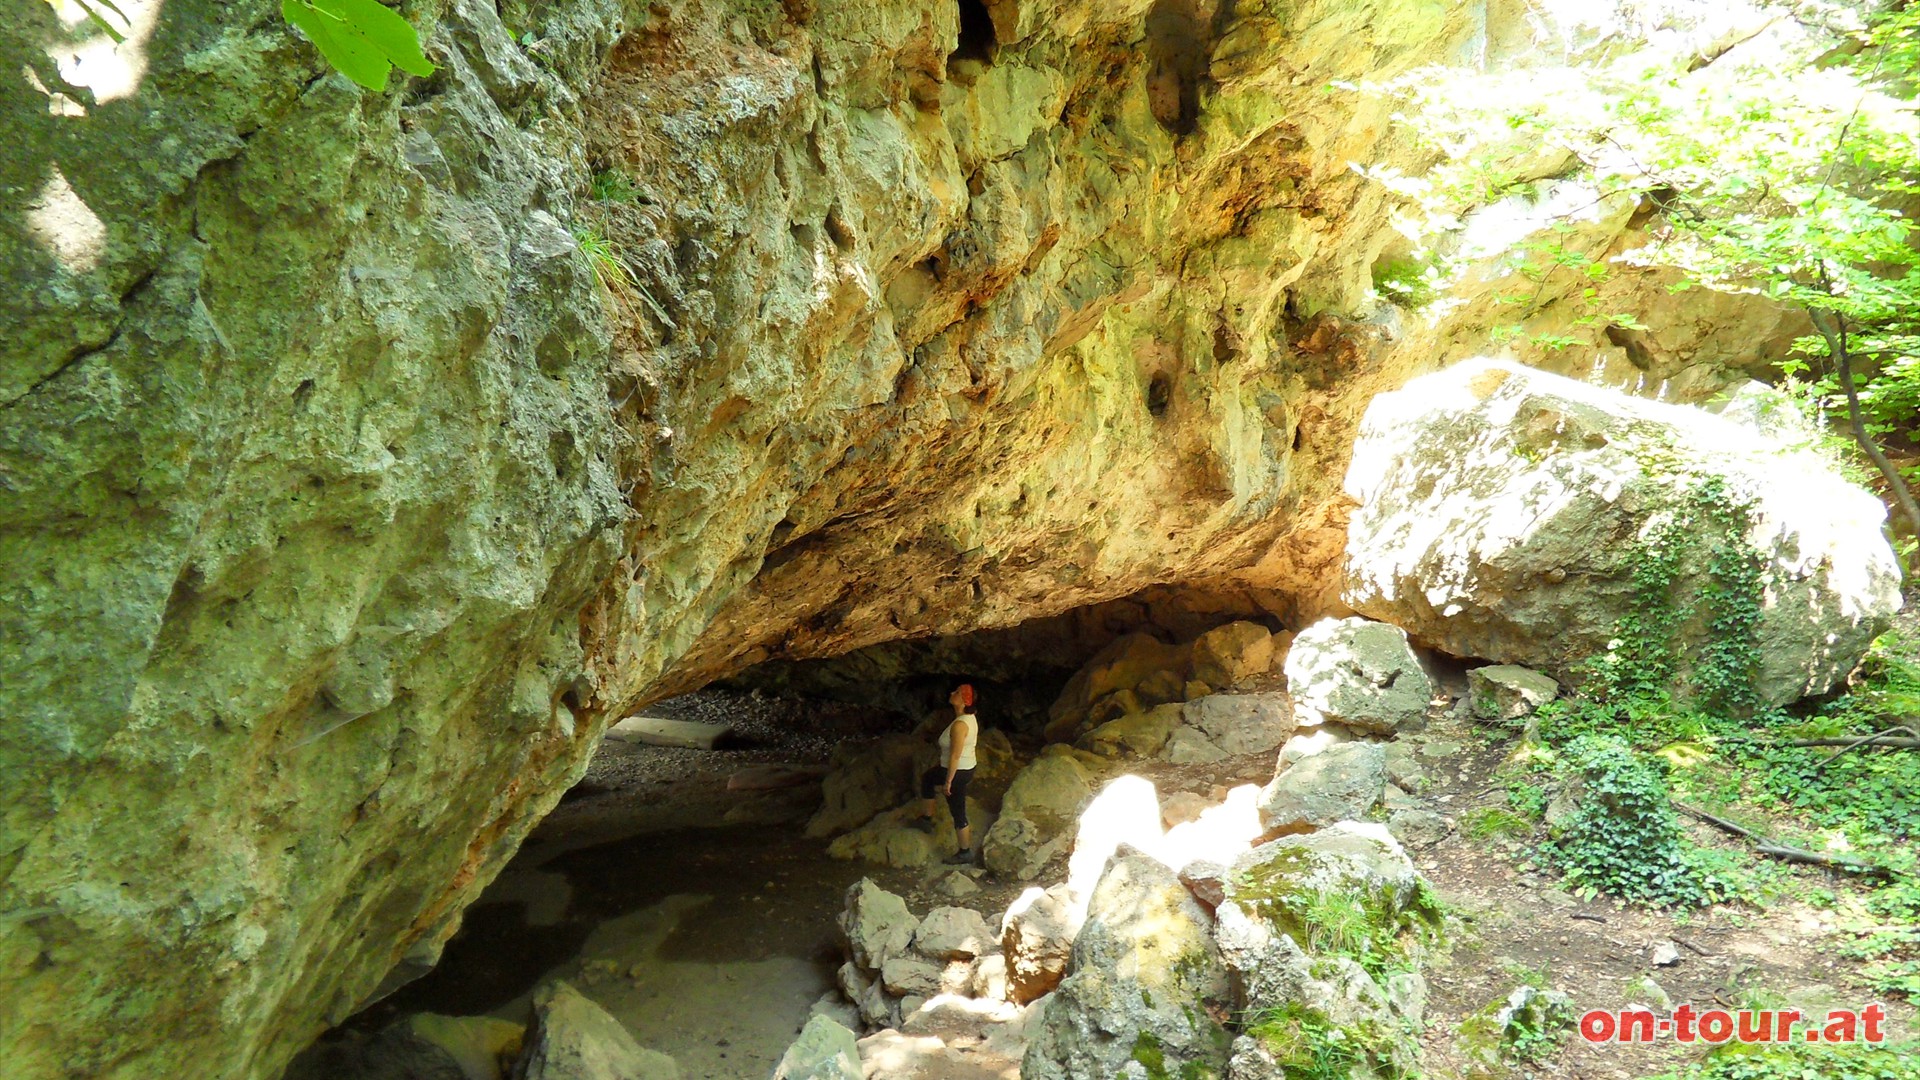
{"type": "Point", "coordinates": [1520, 516]}
{"type": "Point", "coordinates": [1144, 984]}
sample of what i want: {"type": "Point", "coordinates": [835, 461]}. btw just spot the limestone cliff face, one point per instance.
{"type": "Point", "coordinates": [304, 477]}
{"type": "Point", "coordinates": [341, 504]}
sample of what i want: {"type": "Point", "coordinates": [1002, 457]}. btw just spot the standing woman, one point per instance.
{"type": "Point", "coordinates": [957, 743]}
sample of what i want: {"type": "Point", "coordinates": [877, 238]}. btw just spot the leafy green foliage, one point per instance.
{"type": "Point", "coordinates": [1798, 1061]}
{"type": "Point", "coordinates": [614, 185]}
{"type": "Point", "coordinates": [1790, 180]}
{"type": "Point", "coordinates": [1625, 839]}
{"type": "Point", "coordinates": [607, 266]}
{"type": "Point", "coordinates": [361, 38]}
{"type": "Point", "coordinates": [1643, 666]}
{"type": "Point", "coordinates": [1153, 1058]}
{"type": "Point", "coordinates": [1886, 930]}
{"type": "Point", "coordinates": [1528, 800]}
{"type": "Point", "coordinates": [1411, 283]}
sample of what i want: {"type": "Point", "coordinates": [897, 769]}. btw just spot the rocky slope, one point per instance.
{"type": "Point", "coordinates": [345, 492]}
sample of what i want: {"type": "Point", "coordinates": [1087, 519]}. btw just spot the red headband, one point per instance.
{"type": "Point", "coordinates": [965, 690]}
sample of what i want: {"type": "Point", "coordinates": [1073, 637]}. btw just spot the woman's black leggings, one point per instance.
{"type": "Point", "coordinates": [935, 778]}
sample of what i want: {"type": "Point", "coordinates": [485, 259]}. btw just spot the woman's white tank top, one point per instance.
{"type": "Point", "coordinates": [966, 745]}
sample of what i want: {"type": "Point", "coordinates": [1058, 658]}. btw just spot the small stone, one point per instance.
{"type": "Point", "coordinates": [1241, 723]}
{"type": "Point", "coordinates": [1403, 766]}
{"type": "Point", "coordinates": [837, 1009]}
{"type": "Point", "coordinates": [1418, 828]}
{"type": "Point", "coordinates": [476, 1043]}
{"type": "Point", "coordinates": [1160, 687]}
{"type": "Point", "coordinates": [1206, 880]}
{"type": "Point", "coordinates": [1407, 995]}
{"type": "Point", "coordinates": [1310, 741]}
{"type": "Point", "coordinates": [852, 981]}
{"type": "Point", "coordinates": [908, 975]}
{"type": "Point", "coordinates": [957, 885]}
{"type": "Point", "coordinates": [1646, 993]}
{"type": "Point", "coordinates": [1181, 807]}
{"type": "Point", "coordinates": [1037, 938]}
{"type": "Point", "coordinates": [876, 1008]}
{"type": "Point", "coordinates": [1508, 694]}
{"type": "Point", "coordinates": [989, 978]}
{"type": "Point", "coordinates": [1189, 747]}
{"type": "Point", "coordinates": [875, 924]}
{"type": "Point", "coordinates": [1666, 954]}
{"type": "Point", "coordinates": [1037, 815]}
{"type": "Point", "coordinates": [1233, 654]}
{"type": "Point", "coordinates": [1135, 735]}
{"type": "Point", "coordinates": [953, 933]}
{"type": "Point", "coordinates": [579, 1040]}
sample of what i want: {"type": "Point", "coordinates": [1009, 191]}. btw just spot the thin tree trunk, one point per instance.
{"type": "Point", "coordinates": [1834, 330]}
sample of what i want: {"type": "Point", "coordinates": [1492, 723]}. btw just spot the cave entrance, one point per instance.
{"type": "Point", "coordinates": [690, 890]}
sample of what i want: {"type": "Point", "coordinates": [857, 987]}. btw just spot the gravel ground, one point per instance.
{"type": "Point", "coordinates": [768, 729]}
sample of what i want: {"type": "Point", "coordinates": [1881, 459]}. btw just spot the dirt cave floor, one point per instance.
{"type": "Point", "coordinates": [702, 919]}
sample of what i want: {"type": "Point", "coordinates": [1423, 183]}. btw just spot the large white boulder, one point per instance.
{"type": "Point", "coordinates": [1501, 507]}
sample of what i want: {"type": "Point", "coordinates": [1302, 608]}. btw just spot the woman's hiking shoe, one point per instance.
{"type": "Point", "coordinates": [960, 858]}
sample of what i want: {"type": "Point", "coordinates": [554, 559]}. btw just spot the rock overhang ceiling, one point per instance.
{"type": "Point", "coordinates": [349, 492]}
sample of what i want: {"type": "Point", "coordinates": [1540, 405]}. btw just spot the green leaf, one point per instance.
{"type": "Point", "coordinates": [351, 54]}
{"type": "Point", "coordinates": [360, 38]}
{"type": "Point", "coordinates": [100, 20]}
{"type": "Point", "coordinates": [384, 29]}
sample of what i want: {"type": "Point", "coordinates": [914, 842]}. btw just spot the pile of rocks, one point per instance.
{"type": "Point", "coordinates": [1173, 920]}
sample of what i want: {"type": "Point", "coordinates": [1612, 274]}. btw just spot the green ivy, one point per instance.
{"type": "Point", "coordinates": [1625, 839]}
{"type": "Point", "coordinates": [1642, 667]}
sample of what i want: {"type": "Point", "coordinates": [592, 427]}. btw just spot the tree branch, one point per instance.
{"type": "Point", "coordinates": [1833, 328]}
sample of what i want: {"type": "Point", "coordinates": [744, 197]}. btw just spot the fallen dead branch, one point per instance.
{"type": "Point", "coordinates": [1889, 744]}
{"type": "Point", "coordinates": [1880, 738]}
{"type": "Point", "coordinates": [1763, 846]}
